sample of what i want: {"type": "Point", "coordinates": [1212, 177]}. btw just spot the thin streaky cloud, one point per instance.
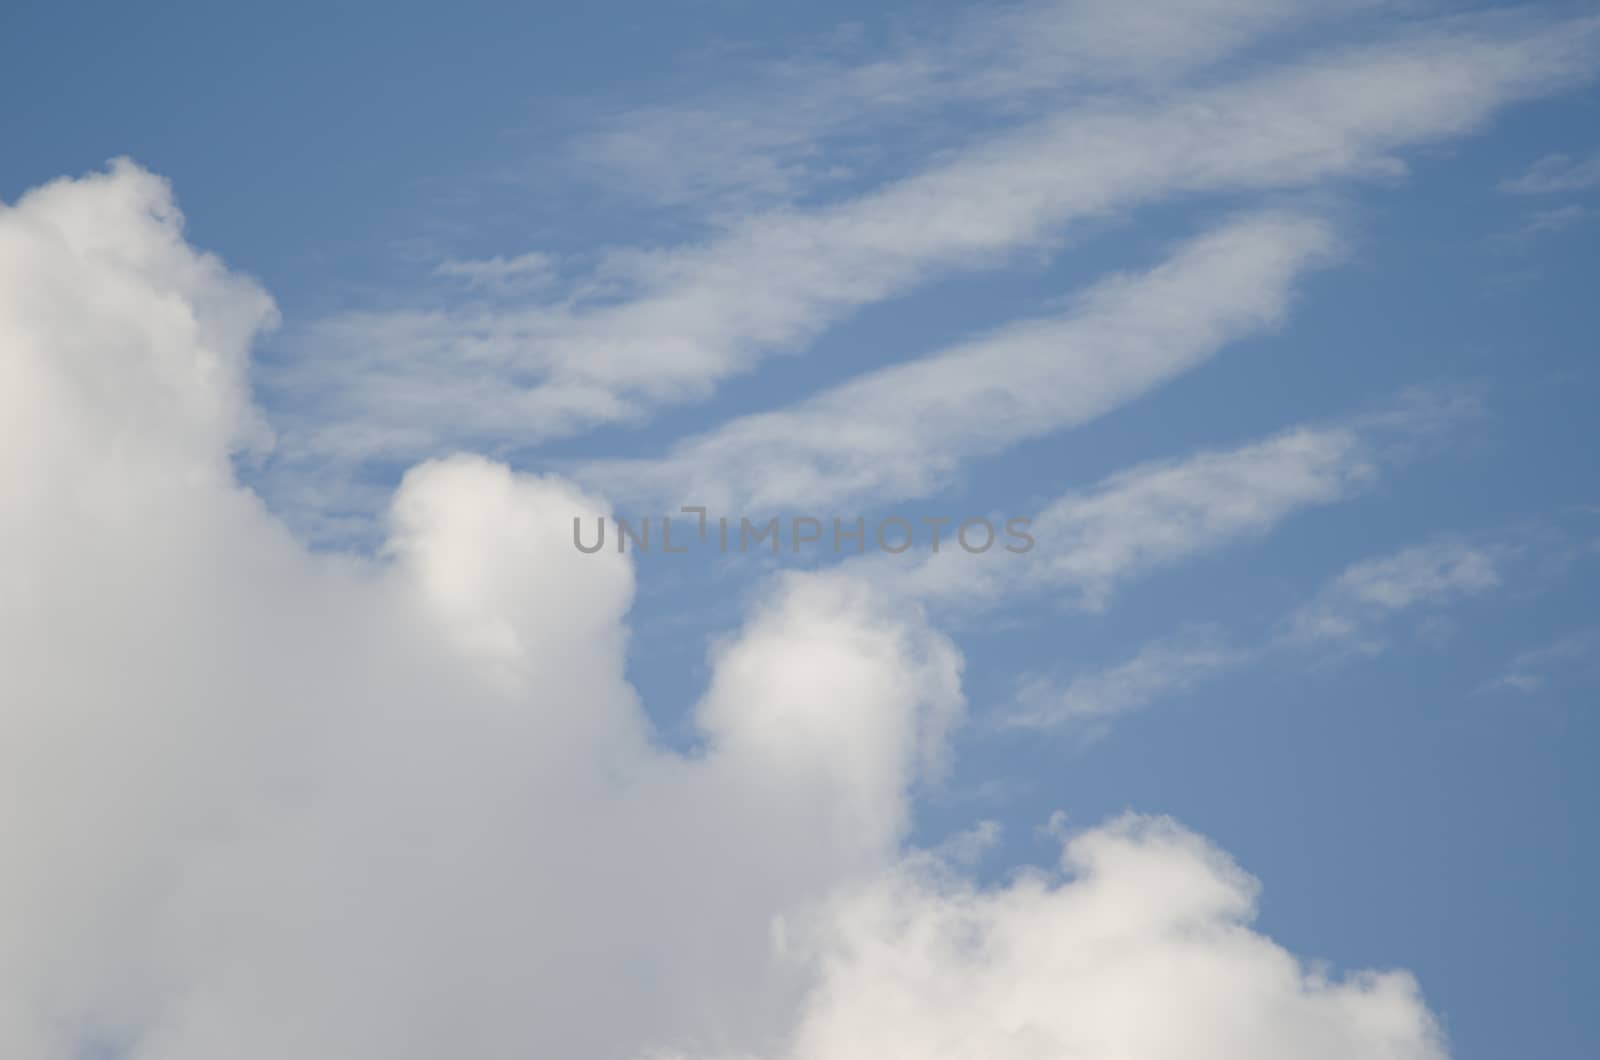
{"type": "Point", "coordinates": [1156, 515]}
{"type": "Point", "coordinates": [812, 120]}
{"type": "Point", "coordinates": [904, 431]}
{"type": "Point", "coordinates": [532, 269]}
{"type": "Point", "coordinates": [399, 385]}
{"type": "Point", "coordinates": [1090, 702]}
{"type": "Point", "coordinates": [1531, 670]}
{"type": "Point", "coordinates": [1351, 615]}
{"type": "Point", "coordinates": [1560, 219]}
{"type": "Point", "coordinates": [1554, 174]}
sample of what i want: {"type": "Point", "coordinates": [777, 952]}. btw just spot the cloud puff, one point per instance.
{"type": "Point", "coordinates": [1139, 946]}
{"type": "Point", "coordinates": [263, 802]}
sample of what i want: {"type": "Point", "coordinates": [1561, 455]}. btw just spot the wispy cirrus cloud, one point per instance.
{"type": "Point", "coordinates": [1363, 611]}
{"type": "Point", "coordinates": [1090, 701]}
{"type": "Point", "coordinates": [654, 327]}
{"type": "Point", "coordinates": [1553, 174]}
{"type": "Point", "coordinates": [904, 431]}
{"type": "Point", "coordinates": [1153, 516]}
{"type": "Point", "coordinates": [1533, 669]}
{"type": "Point", "coordinates": [503, 274]}
{"type": "Point", "coordinates": [809, 121]}
{"type": "Point", "coordinates": [1352, 614]}
{"type": "Point", "coordinates": [1559, 219]}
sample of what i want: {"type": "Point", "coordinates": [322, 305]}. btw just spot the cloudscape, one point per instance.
{"type": "Point", "coordinates": [999, 530]}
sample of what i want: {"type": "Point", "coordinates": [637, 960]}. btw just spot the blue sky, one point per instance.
{"type": "Point", "coordinates": [1277, 320]}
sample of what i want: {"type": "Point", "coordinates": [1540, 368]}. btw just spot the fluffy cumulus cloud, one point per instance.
{"type": "Point", "coordinates": [262, 802]}
{"type": "Point", "coordinates": [1139, 946]}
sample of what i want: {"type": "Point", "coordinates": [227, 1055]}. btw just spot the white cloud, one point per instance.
{"type": "Point", "coordinates": [1352, 610]}
{"type": "Point", "coordinates": [264, 803]}
{"type": "Point", "coordinates": [813, 119]}
{"type": "Point", "coordinates": [1533, 669]}
{"type": "Point", "coordinates": [652, 327]}
{"type": "Point", "coordinates": [1557, 220]}
{"type": "Point", "coordinates": [903, 431]}
{"type": "Point", "coordinates": [1556, 173]}
{"type": "Point", "coordinates": [500, 273]}
{"type": "Point", "coordinates": [1140, 946]}
{"type": "Point", "coordinates": [1153, 516]}
{"type": "Point", "coordinates": [1090, 701]}
{"type": "Point", "coordinates": [1352, 614]}
{"type": "Point", "coordinates": [1088, 543]}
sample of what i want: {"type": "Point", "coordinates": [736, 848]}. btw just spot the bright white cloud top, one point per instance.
{"type": "Point", "coordinates": [267, 803]}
